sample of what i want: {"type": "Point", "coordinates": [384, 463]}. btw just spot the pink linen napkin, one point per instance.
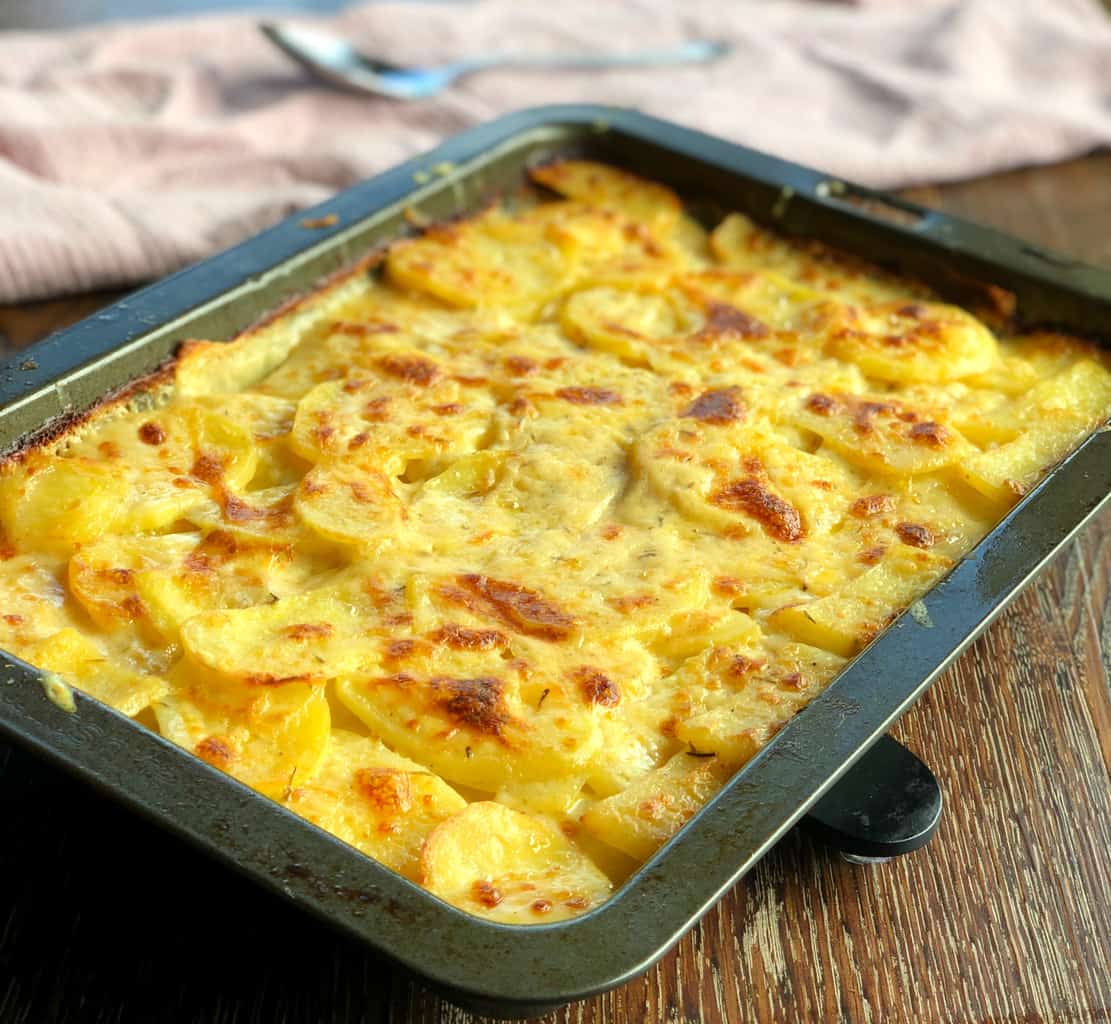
{"type": "Point", "coordinates": [129, 150]}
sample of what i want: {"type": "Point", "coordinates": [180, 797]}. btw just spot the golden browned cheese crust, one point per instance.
{"type": "Point", "coordinates": [499, 561]}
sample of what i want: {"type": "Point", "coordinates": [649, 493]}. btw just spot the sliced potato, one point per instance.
{"type": "Point", "coordinates": [171, 460]}
{"type": "Point", "coordinates": [488, 260]}
{"type": "Point", "coordinates": [268, 737]}
{"type": "Point", "coordinates": [95, 671]}
{"type": "Point", "coordinates": [32, 598]}
{"type": "Point", "coordinates": [547, 796]}
{"type": "Point", "coordinates": [1044, 425]}
{"type": "Point", "coordinates": [1006, 472]}
{"type": "Point", "coordinates": [103, 574]}
{"type": "Point", "coordinates": [882, 434]}
{"type": "Point", "coordinates": [315, 635]}
{"type": "Point", "coordinates": [748, 701]}
{"type": "Point", "coordinates": [643, 202]}
{"type": "Point", "coordinates": [906, 342]}
{"type": "Point", "coordinates": [63, 503]}
{"type": "Point", "coordinates": [739, 243]}
{"type": "Point", "coordinates": [739, 480]}
{"type": "Point", "coordinates": [377, 801]}
{"type": "Point", "coordinates": [503, 865]}
{"type": "Point", "coordinates": [352, 503]}
{"type": "Point", "coordinates": [844, 621]}
{"type": "Point", "coordinates": [623, 321]}
{"type": "Point", "coordinates": [479, 731]}
{"type": "Point", "coordinates": [649, 811]}
{"type": "Point", "coordinates": [390, 423]}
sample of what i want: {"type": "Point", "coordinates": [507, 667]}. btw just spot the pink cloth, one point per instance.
{"type": "Point", "coordinates": [129, 150]}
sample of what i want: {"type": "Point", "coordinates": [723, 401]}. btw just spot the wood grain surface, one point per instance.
{"type": "Point", "coordinates": [1004, 917]}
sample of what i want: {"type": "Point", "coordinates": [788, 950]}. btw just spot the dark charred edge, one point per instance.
{"type": "Point", "coordinates": [55, 430]}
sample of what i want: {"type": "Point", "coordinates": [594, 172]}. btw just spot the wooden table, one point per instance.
{"type": "Point", "coordinates": [1004, 917]}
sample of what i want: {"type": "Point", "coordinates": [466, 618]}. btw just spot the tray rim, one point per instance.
{"type": "Point", "coordinates": [607, 946]}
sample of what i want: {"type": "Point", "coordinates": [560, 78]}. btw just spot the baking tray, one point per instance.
{"type": "Point", "coordinates": [524, 970]}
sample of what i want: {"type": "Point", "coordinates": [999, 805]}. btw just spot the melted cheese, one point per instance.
{"type": "Point", "coordinates": [498, 563]}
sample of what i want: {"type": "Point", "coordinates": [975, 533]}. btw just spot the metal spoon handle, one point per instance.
{"type": "Point", "coordinates": [694, 52]}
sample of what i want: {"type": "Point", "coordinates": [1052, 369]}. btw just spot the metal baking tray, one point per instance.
{"type": "Point", "coordinates": [524, 970]}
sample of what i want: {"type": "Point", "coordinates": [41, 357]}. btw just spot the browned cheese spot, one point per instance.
{"type": "Point", "coordinates": [360, 492]}
{"type": "Point", "coordinates": [625, 332]}
{"type": "Point", "coordinates": [236, 510]}
{"type": "Point", "coordinates": [720, 406]}
{"type": "Point", "coordinates": [596, 687]}
{"type": "Point", "coordinates": [931, 434]}
{"type": "Point", "coordinates": [486, 893]}
{"type": "Point", "coordinates": [726, 321]}
{"type": "Point", "coordinates": [152, 433]}
{"type": "Point", "coordinates": [389, 791]}
{"type": "Point", "coordinates": [520, 366]}
{"type": "Point", "coordinates": [865, 412]}
{"type": "Point", "coordinates": [795, 681]}
{"type": "Point", "coordinates": [916, 535]}
{"type": "Point", "coordinates": [208, 467]}
{"type": "Point", "coordinates": [872, 556]}
{"type": "Point", "coordinates": [400, 648]}
{"type": "Point", "coordinates": [823, 405]}
{"type": "Point", "coordinates": [589, 396]}
{"type": "Point", "coordinates": [215, 751]}
{"type": "Point", "coordinates": [265, 679]}
{"type": "Point", "coordinates": [728, 586]}
{"type": "Point", "coordinates": [414, 369]}
{"type": "Point", "coordinates": [308, 631]}
{"type": "Point", "coordinates": [461, 638]}
{"type": "Point", "coordinates": [778, 518]}
{"type": "Point", "coordinates": [626, 603]}
{"type": "Point", "coordinates": [520, 608]}
{"type": "Point", "coordinates": [739, 667]}
{"type": "Point", "coordinates": [217, 548]}
{"type": "Point", "coordinates": [872, 505]}
{"type": "Point", "coordinates": [309, 487]}
{"type": "Point", "coordinates": [474, 703]}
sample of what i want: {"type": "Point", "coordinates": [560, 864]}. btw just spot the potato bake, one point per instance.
{"type": "Point", "coordinates": [496, 556]}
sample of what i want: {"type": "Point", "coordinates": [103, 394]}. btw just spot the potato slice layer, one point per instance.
{"type": "Point", "coordinates": [506, 866]}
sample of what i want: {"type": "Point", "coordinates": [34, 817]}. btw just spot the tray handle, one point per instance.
{"type": "Point", "coordinates": [1051, 288]}
{"type": "Point", "coordinates": [887, 804]}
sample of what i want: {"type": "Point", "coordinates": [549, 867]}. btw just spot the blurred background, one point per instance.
{"type": "Point", "coordinates": [59, 13]}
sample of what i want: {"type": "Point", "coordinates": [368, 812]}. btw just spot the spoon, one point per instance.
{"type": "Point", "coordinates": [335, 60]}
